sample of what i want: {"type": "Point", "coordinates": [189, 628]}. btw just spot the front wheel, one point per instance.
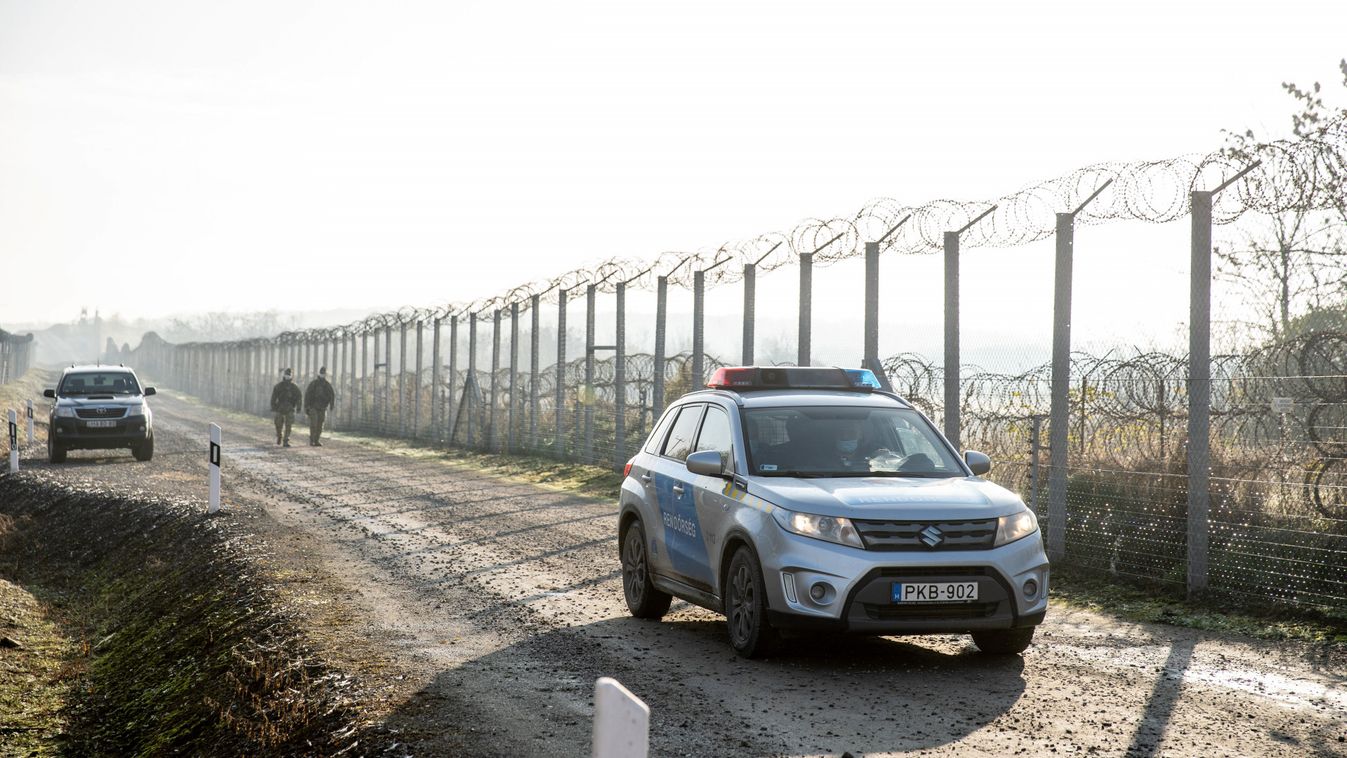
{"type": "Point", "coordinates": [746, 607]}
{"type": "Point", "coordinates": [55, 451]}
{"type": "Point", "coordinates": [1004, 641]}
{"type": "Point", "coordinates": [144, 451]}
{"type": "Point", "coordinates": [643, 600]}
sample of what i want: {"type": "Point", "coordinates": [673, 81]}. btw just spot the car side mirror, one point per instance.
{"type": "Point", "coordinates": [978, 462]}
{"type": "Point", "coordinates": [148, 391]}
{"type": "Point", "coordinates": [707, 463]}
{"type": "Point", "coordinates": [49, 393]}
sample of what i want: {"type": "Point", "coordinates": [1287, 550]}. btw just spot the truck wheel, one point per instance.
{"type": "Point", "coordinates": [643, 600]}
{"type": "Point", "coordinates": [751, 635]}
{"type": "Point", "coordinates": [1004, 641]}
{"type": "Point", "coordinates": [55, 452]}
{"type": "Point", "coordinates": [145, 450]}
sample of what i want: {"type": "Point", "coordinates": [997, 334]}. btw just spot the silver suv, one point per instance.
{"type": "Point", "coordinates": [100, 407]}
{"type": "Point", "coordinates": [799, 499]}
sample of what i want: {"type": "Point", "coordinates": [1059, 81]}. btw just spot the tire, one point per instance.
{"type": "Point", "coordinates": [643, 599]}
{"type": "Point", "coordinates": [1004, 641]}
{"type": "Point", "coordinates": [145, 450]}
{"type": "Point", "coordinates": [751, 635]}
{"type": "Point", "coordinates": [55, 452]}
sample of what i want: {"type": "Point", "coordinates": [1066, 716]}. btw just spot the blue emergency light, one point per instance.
{"type": "Point", "coordinates": [793, 377]}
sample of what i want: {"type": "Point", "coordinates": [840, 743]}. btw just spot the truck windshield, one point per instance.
{"type": "Point", "coordinates": [109, 383]}
{"type": "Point", "coordinates": [834, 441]}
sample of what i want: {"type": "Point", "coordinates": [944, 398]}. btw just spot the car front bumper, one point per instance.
{"type": "Point", "coordinates": [858, 585]}
{"type": "Point", "coordinates": [75, 433]}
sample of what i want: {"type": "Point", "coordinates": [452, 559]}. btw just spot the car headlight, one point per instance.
{"type": "Point", "coordinates": [1015, 526]}
{"type": "Point", "coordinates": [827, 528]}
{"type": "Point", "coordinates": [65, 411]}
{"type": "Point", "coordinates": [135, 410]}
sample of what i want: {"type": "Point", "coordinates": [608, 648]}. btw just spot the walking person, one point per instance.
{"type": "Point", "coordinates": [318, 398]}
{"type": "Point", "coordinates": [285, 400]}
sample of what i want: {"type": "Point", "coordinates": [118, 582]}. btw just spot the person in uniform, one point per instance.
{"type": "Point", "coordinates": [285, 400]}
{"type": "Point", "coordinates": [318, 398]}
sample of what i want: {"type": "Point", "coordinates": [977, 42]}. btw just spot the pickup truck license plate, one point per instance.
{"type": "Point", "coordinates": [100, 423]}
{"type": "Point", "coordinates": [935, 592]}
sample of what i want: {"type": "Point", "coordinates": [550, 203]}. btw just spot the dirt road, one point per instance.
{"type": "Point", "coordinates": [492, 607]}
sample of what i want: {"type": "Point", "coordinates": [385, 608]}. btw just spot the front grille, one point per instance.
{"type": "Point", "coordinates": [929, 611]}
{"type": "Point", "coordinates": [897, 536]}
{"type": "Point", "coordinates": [100, 412]}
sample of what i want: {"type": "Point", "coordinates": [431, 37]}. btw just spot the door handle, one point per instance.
{"type": "Point", "coordinates": [678, 489]}
{"type": "Point", "coordinates": [646, 478]}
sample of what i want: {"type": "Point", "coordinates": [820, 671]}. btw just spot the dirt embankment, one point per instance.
{"type": "Point", "coordinates": [173, 641]}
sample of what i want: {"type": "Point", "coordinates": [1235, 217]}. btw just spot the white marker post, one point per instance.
{"type": "Point", "coordinates": [30, 422]}
{"type": "Point", "coordinates": [621, 722]}
{"type": "Point", "coordinates": [214, 469]}
{"type": "Point", "coordinates": [13, 441]}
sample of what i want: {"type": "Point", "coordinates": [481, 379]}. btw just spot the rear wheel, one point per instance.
{"type": "Point", "coordinates": [145, 450]}
{"type": "Point", "coordinates": [746, 607]}
{"type": "Point", "coordinates": [643, 600]}
{"type": "Point", "coordinates": [55, 451]}
{"type": "Point", "coordinates": [1004, 641]}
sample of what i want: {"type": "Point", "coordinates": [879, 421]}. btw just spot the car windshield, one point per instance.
{"type": "Point", "coordinates": [839, 441]}
{"type": "Point", "coordinates": [107, 383]}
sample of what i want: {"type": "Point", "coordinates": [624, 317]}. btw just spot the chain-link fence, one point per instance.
{"type": "Point", "coordinates": [16, 355]}
{"type": "Point", "coordinates": [1215, 473]}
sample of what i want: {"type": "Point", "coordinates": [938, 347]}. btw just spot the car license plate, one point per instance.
{"type": "Point", "coordinates": [935, 592]}
{"type": "Point", "coordinates": [101, 423]}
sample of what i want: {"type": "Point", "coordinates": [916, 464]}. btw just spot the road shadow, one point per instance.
{"type": "Point", "coordinates": [826, 694]}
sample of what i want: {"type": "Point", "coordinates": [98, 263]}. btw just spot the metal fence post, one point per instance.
{"type": "Point", "coordinates": [698, 328]}
{"type": "Point", "coordinates": [1199, 393]}
{"type": "Point", "coordinates": [1035, 445]}
{"type": "Point", "coordinates": [493, 432]}
{"type": "Point", "coordinates": [871, 348]}
{"type": "Point", "coordinates": [952, 338]}
{"type": "Point", "coordinates": [559, 411]}
{"type": "Point", "coordinates": [470, 384]}
{"type": "Point", "coordinates": [661, 314]}
{"type": "Point", "coordinates": [416, 381]}
{"type": "Point", "coordinates": [587, 397]}
{"type": "Point", "coordinates": [534, 370]}
{"type": "Point", "coordinates": [514, 377]}
{"type": "Point", "coordinates": [806, 309]}
{"type": "Point", "coordinates": [388, 379]}
{"type": "Point", "coordinates": [620, 380]}
{"type": "Point", "coordinates": [402, 378]}
{"type": "Point", "coordinates": [750, 294]}
{"type": "Point", "coordinates": [435, 330]}
{"type": "Point", "coordinates": [1059, 421]}
{"type": "Point", "coordinates": [451, 403]}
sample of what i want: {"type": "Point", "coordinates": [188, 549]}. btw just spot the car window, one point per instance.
{"type": "Point", "coordinates": [684, 430]}
{"type": "Point", "coordinates": [715, 434]}
{"type": "Point", "coordinates": [105, 383]}
{"type": "Point", "coordinates": [844, 441]}
{"type": "Point", "coordinates": [656, 440]}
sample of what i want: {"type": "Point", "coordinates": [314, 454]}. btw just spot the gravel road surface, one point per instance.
{"type": "Point", "coordinates": [485, 609]}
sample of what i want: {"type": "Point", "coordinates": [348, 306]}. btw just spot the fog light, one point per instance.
{"type": "Point", "coordinates": [819, 592]}
{"type": "Point", "coordinates": [1031, 588]}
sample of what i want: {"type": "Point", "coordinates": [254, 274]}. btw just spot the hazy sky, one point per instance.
{"type": "Point", "coordinates": [173, 155]}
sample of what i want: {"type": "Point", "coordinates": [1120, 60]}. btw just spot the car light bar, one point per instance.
{"type": "Point", "coordinates": [793, 377]}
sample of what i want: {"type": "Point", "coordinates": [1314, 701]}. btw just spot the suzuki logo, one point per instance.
{"type": "Point", "coordinates": [931, 536]}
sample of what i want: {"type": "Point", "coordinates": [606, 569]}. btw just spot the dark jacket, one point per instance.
{"type": "Point", "coordinates": [318, 396]}
{"type": "Point", "coordinates": [285, 397]}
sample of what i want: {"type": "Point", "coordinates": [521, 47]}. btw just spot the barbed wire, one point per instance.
{"type": "Point", "coordinates": [1290, 174]}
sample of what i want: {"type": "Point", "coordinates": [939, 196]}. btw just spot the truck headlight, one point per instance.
{"type": "Point", "coordinates": [135, 410]}
{"type": "Point", "coordinates": [65, 411]}
{"type": "Point", "coordinates": [827, 528]}
{"type": "Point", "coordinates": [1015, 526]}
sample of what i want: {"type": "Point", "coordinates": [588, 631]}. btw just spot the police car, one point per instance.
{"type": "Point", "coordinates": [810, 499]}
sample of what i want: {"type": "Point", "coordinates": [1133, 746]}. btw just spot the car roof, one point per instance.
{"type": "Point", "coordinates": [793, 397]}
{"type": "Point", "coordinates": [97, 369]}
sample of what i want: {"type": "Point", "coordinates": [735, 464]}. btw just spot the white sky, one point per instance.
{"type": "Point", "coordinates": [255, 155]}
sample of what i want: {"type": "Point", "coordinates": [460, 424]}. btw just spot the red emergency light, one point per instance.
{"type": "Point", "coordinates": [792, 377]}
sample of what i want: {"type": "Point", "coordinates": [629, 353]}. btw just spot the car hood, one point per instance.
{"type": "Point", "coordinates": [890, 497]}
{"type": "Point", "coordinates": [115, 400]}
